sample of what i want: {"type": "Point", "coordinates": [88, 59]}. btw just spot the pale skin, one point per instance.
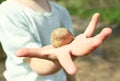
{"type": "Point", "coordinates": [82, 45]}
{"type": "Point", "coordinates": [52, 59]}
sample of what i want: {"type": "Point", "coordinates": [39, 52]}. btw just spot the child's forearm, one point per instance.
{"type": "Point", "coordinates": [43, 66]}
{"type": "Point", "coordinates": [46, 64]}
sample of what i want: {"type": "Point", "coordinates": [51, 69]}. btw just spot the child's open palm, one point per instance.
{"type": "Point", "coordinates": [82, 45]}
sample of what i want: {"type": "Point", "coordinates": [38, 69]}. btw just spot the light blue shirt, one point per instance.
{"type": "Point", "coordinates": [21, 27]}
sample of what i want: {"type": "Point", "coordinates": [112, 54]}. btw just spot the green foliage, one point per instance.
{"type": "Point", "coordinates": [109, 9]}
{"type": "Point", "coordinates": [1, 1]}
{"type": "Point", "coordinates": [109, 15]}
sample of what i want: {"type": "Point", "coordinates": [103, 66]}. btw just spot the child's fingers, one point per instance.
{"type": "Point", "coordinates": [67, 63]}
{"type": "Point", "coordinates": [92, 25]}
{"type": "Point", "coordinates": [29, 52]}
{"type": "Point", "coordinates": [22, 52]}
{"type": "Point", "coordinates": [103, 35]}
{"type": "Point", "coordinates": [95, 42]}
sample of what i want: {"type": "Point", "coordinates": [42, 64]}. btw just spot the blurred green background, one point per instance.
{"type": "Point", "coordinates": [104, 63]}
{"type": "Point", "coordinates": [109, 9]}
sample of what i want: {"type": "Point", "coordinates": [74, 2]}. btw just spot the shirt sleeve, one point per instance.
{"type": "Point", "coordinates": [15, 34]}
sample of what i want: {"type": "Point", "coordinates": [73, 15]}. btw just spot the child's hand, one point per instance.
{"type": "Point", "coordinates": [82, 45]}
